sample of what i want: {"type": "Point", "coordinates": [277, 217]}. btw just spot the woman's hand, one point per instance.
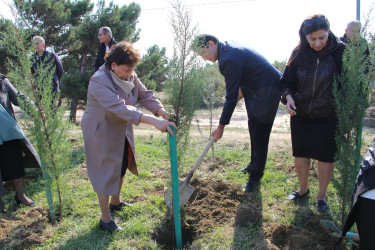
{"type": "Point", "coordinates": [164, 125]}
{"type": "Point", "coordinates": [160, 124]}
{"type": "Point", "coordinates": [163, 113]}
{"type": "Point", "coordinates": [290, 106]}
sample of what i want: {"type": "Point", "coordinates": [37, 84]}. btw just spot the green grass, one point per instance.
{"type": "Point", "coordinates": [78, 229]}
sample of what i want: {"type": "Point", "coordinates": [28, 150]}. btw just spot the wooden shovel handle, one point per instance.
{"type": "Point", "coordinates": [191, 173]}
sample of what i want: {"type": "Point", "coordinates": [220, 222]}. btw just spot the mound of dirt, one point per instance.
{"type": "Point", "coordinates": [308, 236]}
{"type": "Point", "coordinates": [247, 213]}
{"type": "Point", "coordinates": [214, 202]}
{"type": "Point", "coordinates": [24, 231]}
{"type": "Point", "coordinates": [283, 236]}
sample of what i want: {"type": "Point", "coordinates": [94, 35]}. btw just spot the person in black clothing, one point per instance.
{"type": "Point", "coordinates": [249, 75]}
{"type": "Point", "coordinates": [362, 211]}
{"type": "Point", "coordinates": [46, 59]}
{"type": "Point", "coordinates": [16, 151]}
{"type": "Point", "coordinates": [353, 35]}
{"type": "Point", "coordinates": [106, 42]}
{"type": "Point", "coordinates": [307, 93]}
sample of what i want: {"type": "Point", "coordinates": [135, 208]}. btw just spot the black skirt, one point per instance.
{"type": "Point", "coordinates": [11, 166]}
{"type": "Point", "coordinates": [314, 138]}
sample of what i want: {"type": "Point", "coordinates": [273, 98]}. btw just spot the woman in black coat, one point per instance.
{"type": "Point", "coordinates": [307, 92]}
{"type": "Point", "coordinates": [16, 151]}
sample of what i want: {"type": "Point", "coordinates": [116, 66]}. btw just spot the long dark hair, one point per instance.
{"type": "Point", "coordinates": [309, 25]}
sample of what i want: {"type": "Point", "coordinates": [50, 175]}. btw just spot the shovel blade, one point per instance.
{"type": "Point", "coordinates": [329, 226]}
{"type": "Point", "coordinates": [184, 192]}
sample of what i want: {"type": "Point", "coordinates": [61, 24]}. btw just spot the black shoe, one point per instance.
{"type": "Point", "coordinates": [245, 169]}
{"type": "Point", "coordinates": [322, 206]}
{"type": "Point", "coordinates": [119, 206]}
{"type": "Point", "coordinates": [251, 185]}
{"type": "Point", "coordinates": [111, 226]}
{"type": "Point", "coordinates": [30, 204]}
{"type": "Point", "coordinates": [296, 196]}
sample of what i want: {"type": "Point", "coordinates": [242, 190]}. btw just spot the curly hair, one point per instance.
{"type": "Point", "coordinates": [122, 53]}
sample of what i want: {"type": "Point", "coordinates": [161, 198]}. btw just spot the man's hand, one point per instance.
{"type": "Point", "coordinates": [218, 132]}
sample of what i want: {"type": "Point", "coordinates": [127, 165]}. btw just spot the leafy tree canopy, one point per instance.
{"type": "Point", "coordinates": [152, 70]}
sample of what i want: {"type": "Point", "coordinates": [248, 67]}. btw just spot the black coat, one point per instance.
{"type": "Point", "coordinates": [101, 53]}
{"type": "Point", "coordinates": [344, 39]}
{"type": "Point", "coordinates": [9, 95]}
{"type": "Point", "coordinates": [309, 77]}
{"type": "Point", "coordinates": [51, 60]}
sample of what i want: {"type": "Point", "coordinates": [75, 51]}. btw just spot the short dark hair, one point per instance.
{"type": "Point", "coordinates": [122, 53]}
{"type": "Point", "coordinates": [202, 40]}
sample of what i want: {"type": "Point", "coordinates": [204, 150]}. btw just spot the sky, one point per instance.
{"type": "Point", "coordinates": [268, 26]}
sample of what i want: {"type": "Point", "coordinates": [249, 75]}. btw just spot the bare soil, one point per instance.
{"type": "Point", "coordinates": [20, 231]}
{"type": "Point", "coordinates": [217, 202]}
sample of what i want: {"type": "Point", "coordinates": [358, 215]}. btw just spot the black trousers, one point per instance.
{"type": "Point", "coordinates": [366, 223]}
{"type": "Point", "coordinates": [259, 139]}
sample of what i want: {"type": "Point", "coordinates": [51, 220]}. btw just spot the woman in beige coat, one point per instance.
{"type": "Point", "coordinates": [107, 126]}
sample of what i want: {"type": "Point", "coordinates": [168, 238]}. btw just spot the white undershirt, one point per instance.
{"type": "Point", "coordinates": [369, 194]}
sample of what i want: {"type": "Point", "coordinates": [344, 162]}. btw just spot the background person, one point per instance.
{"type": "Point", "coordinates": [307, 93]}
{"type": "Point", "coordinates": [47, 59]}
{"type": "Point", "coordinates": [107, 126]}
{"type": "Point", "coordinates": [353, 35]}
{"type": "Point", "coordinates": [363, 202]}
{"type": "Point", "coordinates": [248, 74]}
{"type": "Point", "coordinates": [106, 41]}
{"type": "Point", "coordinates": [16, 152]}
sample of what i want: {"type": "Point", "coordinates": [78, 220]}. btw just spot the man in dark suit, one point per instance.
{"type": "Point", "coordinates": [106, 41]}
{"type": "Point", "coordinates": [248, 75]}
{"type": "Point", "coordinates": [45, 59]}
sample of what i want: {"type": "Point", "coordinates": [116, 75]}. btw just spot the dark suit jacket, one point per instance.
{"type": "Point", "coordinates": [101, 53]}
{"type": "Point", "coordinates": [52, 61]}
{"type": "Point", "coordinates": [244, 67]}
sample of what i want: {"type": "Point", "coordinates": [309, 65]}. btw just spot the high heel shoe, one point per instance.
{"type": "Point", "coordinates": [30, 204]}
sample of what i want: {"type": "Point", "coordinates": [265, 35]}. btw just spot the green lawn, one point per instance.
{"type": "Point", "coordinates": [78, 227]}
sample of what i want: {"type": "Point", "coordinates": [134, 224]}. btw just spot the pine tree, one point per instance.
{"type": "Point", "coordinates": [47, 125]}
{"type": "Point", "coordinates": [351, 96]}
{"type": "Point", "coordinates": [184, 87]}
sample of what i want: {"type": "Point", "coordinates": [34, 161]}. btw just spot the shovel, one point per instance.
{"type": "Point", "coordinates": [335, 231]}
{"type": "Point", "coordinates": [185, 189]}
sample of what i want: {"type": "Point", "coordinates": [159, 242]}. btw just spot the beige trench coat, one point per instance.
{"type": "Point", "coordinates": [109, 117]}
